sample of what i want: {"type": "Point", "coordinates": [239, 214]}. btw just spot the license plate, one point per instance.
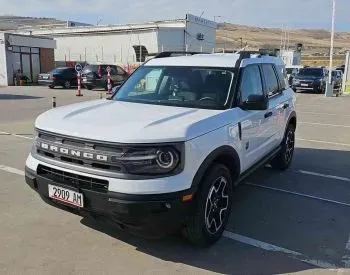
{"type": "Point", "coordinates": [304, 85]}
{"type": "Point", "coordinates": [45, 77]}
{"type": "Point", "coordinates": [66, 195]}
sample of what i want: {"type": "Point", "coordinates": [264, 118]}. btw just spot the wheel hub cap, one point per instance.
{"type": "Point", "coordinates": [216, 205]}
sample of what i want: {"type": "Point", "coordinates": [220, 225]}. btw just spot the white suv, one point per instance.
{"type": "Point", "coordinates": [166, 151]}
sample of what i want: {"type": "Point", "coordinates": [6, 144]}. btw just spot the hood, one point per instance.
{"type": "Point", "coordinates": [307, 77]}
{"type": "Point", "coordinates": [125, 122]}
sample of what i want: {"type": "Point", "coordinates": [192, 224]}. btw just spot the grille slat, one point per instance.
{"type": "Point", "coordinates": [73, 180]}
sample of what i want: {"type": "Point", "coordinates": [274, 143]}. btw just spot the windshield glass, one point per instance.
{"type": "Point", "coordinates": [195, 87]}
{"type": "Point", "coordinates": [311, 72]}
{"type": "Point", "coordinates": [57, 70]}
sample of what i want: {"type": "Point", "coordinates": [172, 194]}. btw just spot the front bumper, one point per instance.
{"type": "Point", "coordinates": [47, 82]}
{"type": "Point", "coordinates": [146, 215]}
{"type": "Point", "coordinates": [315, 86]}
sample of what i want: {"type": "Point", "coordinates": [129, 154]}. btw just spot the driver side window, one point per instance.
{"type": "Point", "coordinates": [147, 84]}
{"type": "Point", "coordinates": [250, 82]}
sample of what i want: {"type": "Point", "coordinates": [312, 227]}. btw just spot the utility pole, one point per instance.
{"type": "Point", "coordinates": [329, 88]}
{"type": "Point", "coordinates": [241, 38]}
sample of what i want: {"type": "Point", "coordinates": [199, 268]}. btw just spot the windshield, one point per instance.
{"type": "Point", "coordinates": [195, 87]}
{"type": "Point", "coordinates": [57, 71]}
{"type": "Point", "coordinates": [311, 72]}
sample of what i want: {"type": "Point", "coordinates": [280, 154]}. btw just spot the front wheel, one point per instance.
{"type": "Point", "coordinates": [284, 158]}
{"type": "Point", "coordinates": [212, 207]}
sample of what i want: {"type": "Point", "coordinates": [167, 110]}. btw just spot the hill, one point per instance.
{"type": "Point", "coordinates": [10, 22]}
{"type": "Point", "coordinates": [315, 42]}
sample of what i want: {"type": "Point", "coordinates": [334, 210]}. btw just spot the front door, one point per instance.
{"type": "Point", "coordinates": [254, 124]}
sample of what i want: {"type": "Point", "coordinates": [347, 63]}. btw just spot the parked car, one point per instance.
{"type": "Point", "coordinates": [341, 68]}
{"type": "Point", "coordinates": [62, 76]}
{"type": "Point", "coordinates": [167, 150]}
{"type": "Point", "coordinates": [95, 76]}
{"type": "Point", "coordinates": [337, 78]}
{"type": "Point", "coordinates": [292, 71]}
{"type": "Point", "coordinates": [312, 79]}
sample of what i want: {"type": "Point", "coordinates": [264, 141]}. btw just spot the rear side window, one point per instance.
{"type": "Point", "coordinates": [251, 82]}
{"type": "Point", "coordinates": [282, 77]}
{"type": "Point", "coordinates": [271, 80]}
{"type": "Point", "coordinates": [120, 70]}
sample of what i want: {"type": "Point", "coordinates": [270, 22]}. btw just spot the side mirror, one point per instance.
{"type": "Point", "coordinates": [255, 102]}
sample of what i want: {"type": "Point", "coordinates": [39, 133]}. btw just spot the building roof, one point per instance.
{"type": "Point", "coordinates": [58, 31]}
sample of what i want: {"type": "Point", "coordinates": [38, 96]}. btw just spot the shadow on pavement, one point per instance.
{"type": "Point", "coordinates": [226, 257]}
{"type": "Point", "coordinates": [17, 97]}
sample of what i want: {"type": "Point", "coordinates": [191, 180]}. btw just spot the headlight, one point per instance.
{"type": "Point", "coordinates": [151, 160]}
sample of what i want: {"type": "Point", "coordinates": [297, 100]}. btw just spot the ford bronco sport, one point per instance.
{"type": "Point", "coordinates": [181, 133]}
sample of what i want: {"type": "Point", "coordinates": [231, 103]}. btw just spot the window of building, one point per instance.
{"type": "Point", "coordinates": [140, 52]}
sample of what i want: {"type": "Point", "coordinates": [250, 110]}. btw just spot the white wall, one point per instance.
{"type": "Point", "coordinates": [3, 68]}
{"type": "Point", "coordinates": [171, 39]}
{"type": "Point", "coordinates": [206, 27]}
{"type": "Point", "coordinates": [115, 48]}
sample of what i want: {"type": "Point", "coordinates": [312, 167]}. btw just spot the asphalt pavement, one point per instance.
{"type": "Point", "coordinates": [282, 222]}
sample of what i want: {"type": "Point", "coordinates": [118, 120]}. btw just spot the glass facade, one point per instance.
{"type": "Point", "coordinates": [27, 60]}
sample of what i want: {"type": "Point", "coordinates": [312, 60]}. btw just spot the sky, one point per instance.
{"type": "Point", "coordinates": [264, 13]}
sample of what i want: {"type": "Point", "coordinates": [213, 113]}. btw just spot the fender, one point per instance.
{"type": "Point", "coordinates": [292, 116]}
{"type": "Point", "coordinates": [224, 153]}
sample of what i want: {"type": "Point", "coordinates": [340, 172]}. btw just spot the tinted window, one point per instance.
{"type": "Point", "coordinates": [282, 77]}
{"type": "Point", "coordinates": [90, 68]}
{"type": "Point", "coordinates": [120, 70]}
{"type": "Point", "coordinates": [270, 79]}
{"type": "Point", "coordinates": [311, 72]}
{"type": "Point", "coordinates": [58, 71]}
{"type": "Point", "coordinates": [251, 82]}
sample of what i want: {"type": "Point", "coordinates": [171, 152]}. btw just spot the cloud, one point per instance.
{"type": "Point", "coordinates": [296, 13]}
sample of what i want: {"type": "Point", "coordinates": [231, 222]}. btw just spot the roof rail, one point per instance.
{"type": "Point", "coordinates": [176, 53]}
{"type": "Point", "coordinates": [260, 53]}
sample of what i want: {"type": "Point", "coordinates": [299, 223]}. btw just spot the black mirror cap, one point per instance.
{"type": "Point", "coordinates": [256, 102]}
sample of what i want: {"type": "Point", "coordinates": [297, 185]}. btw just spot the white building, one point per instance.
{"type": "Point", "coordinates": [131, 43]}
{"type": "Point", "coordinates": [290, 58]}
{"type": "Point", "coordinates": [28, 54]}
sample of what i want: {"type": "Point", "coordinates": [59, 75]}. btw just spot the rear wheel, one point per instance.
{"type": "Point", "coordinates": [51, 86]}
{"type": "Point", "coordinates": [284, 158]}
{"type": "Point", "coordinates": [67, 84]}
{"type": "Point", "coordinates": [88, 87]}
{"type": "Point", "coordinates": [211, 207]}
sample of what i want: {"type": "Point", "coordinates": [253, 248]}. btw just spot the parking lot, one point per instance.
{"type": "Point", "coordinates": [295, 221]}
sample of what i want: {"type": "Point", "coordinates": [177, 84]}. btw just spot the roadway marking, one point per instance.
{"type": "Point", "coordinates": [270, 247]}
{"type": "Point", "coordinates": [11, 170]}
{"type": "Point", "coordinates": [298, 194]}
{"type": "Point", "coordinates": [321, 141]}
{"type": "Point", "coordinates": [239, 238]}
{"type": "Point", "coordinates": [346, 258]}
{"type": "Point", "coordinates": [324, 175]}
{"type": "Point", "coordinates": [328, 114]}
{"type": "Point", "coordinates": [323, 124]}
{"type": "Point", "coordinates": [15, 135]}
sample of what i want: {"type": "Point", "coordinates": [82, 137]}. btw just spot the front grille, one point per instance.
{"type": "Point", "coordinates": [73, 180]}
{"type": "Point", "coordinates": [91, 147]}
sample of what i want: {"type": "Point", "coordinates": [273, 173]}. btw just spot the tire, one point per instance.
{"type": "Point", "coordinates": [284, 158]}
{"type": "Point", "coordinates": [202, 227]}
{"type": "Point", "coordinates": [51, 87]}
{"type": "Point", "coordinates": [67, 84]}
{"type": "Point", "coordinates": [89, 87]}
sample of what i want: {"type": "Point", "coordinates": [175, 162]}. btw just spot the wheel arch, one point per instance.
{"type": "Point", "coordinates": [225, 155]}
{"type": "Point", "coordinates": [292, 120]}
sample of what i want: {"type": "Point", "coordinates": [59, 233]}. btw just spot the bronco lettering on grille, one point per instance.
{"type": "Point", "coordinates": [73, 153]}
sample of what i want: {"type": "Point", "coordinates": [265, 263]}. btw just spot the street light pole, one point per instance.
{"type": "Point", "coordinates": [329, 88]}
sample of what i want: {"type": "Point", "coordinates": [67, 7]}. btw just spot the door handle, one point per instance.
{"type": "Point", "coordinates": [268, 114]}
{"type": "Point", "coordinates": [285, 105]}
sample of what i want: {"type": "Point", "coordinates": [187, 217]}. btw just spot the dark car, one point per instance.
{"type": "Point", "coordinates": [341, 68]}
{"type": "Point", "coordinates": [95, 76]}
{"type": "Point", "coordinates": [337, 78]}
{"type": "Point", "coordinates": [63, 76]}
{"type": "Point", "coordinates": [312, 79]}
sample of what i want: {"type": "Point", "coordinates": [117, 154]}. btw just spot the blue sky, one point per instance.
{"type": "Point", "coordinates": [266, 13]}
